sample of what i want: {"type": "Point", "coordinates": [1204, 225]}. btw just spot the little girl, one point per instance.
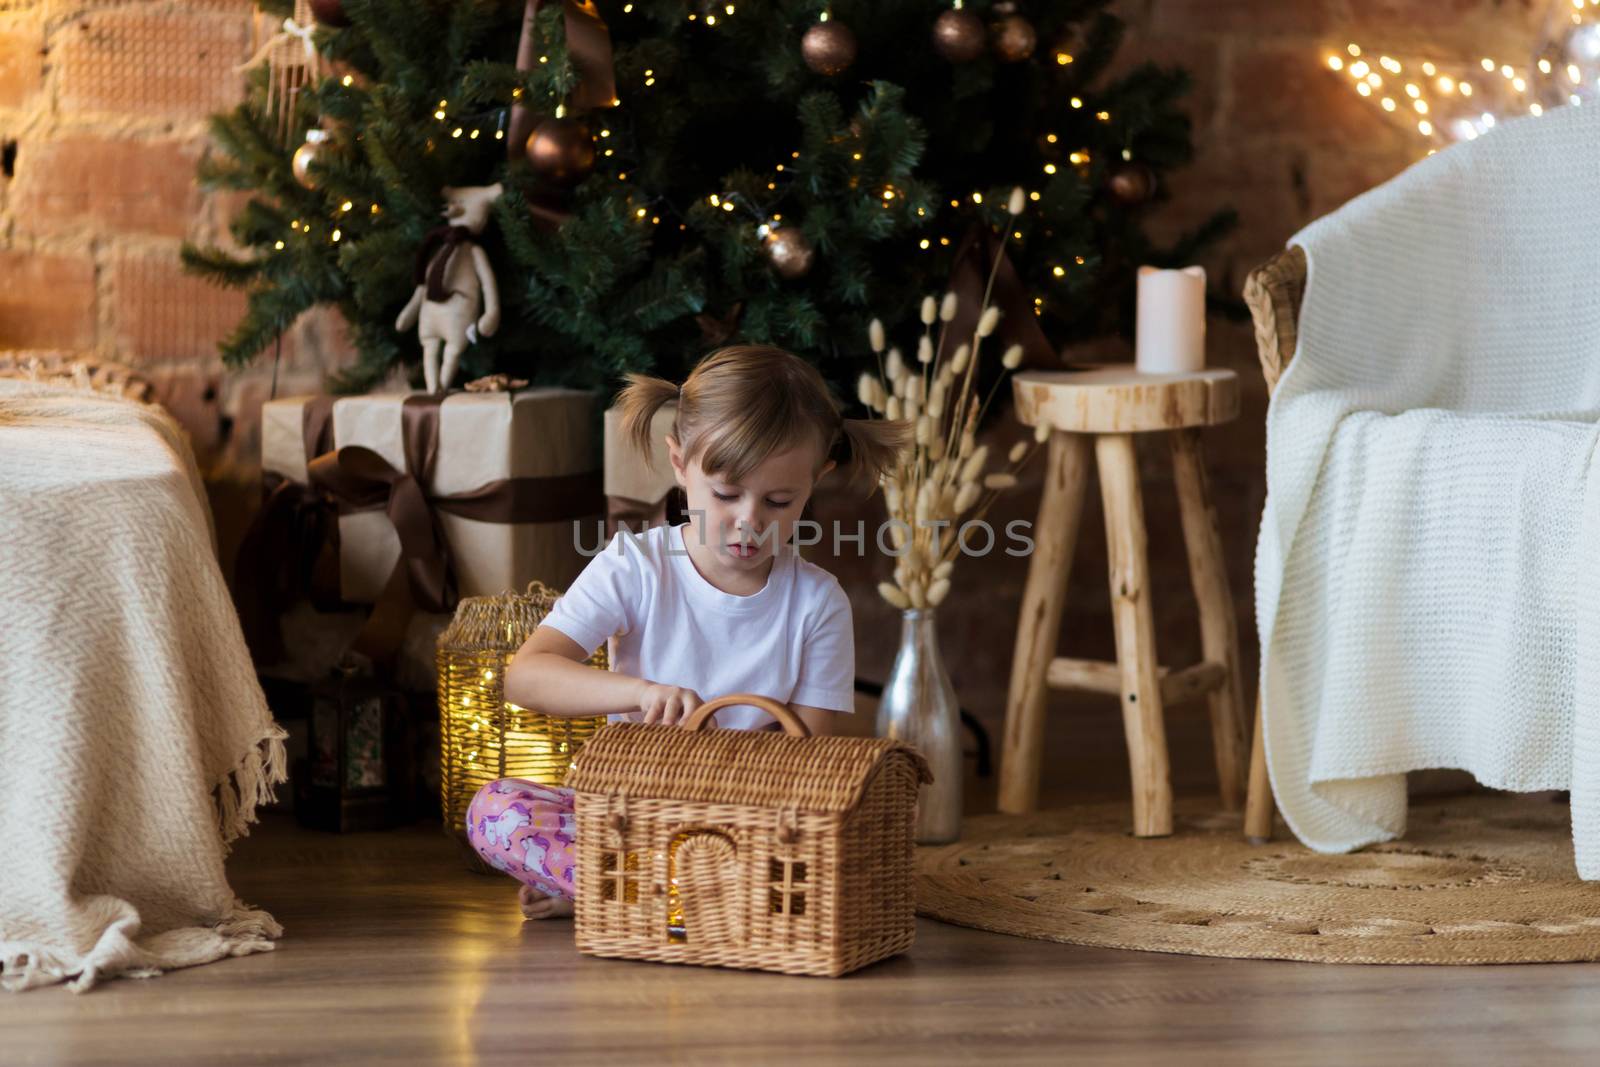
{"type": "Point", "coordinates": [721, 604]}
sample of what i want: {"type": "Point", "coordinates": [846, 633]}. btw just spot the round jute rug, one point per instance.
{"type": "Point", "coordinates": [1477, 879]}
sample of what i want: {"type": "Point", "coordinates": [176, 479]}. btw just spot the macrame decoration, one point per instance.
{"type": "Point", "coordinates": [293, 65]}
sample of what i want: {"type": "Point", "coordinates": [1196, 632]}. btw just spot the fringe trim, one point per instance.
{"type": "Point", "coordinates": [246, 931]}
{"type": "Point", "coordinates": [25, 965]}
{"type": "Point", "coordinates": [250, 784]}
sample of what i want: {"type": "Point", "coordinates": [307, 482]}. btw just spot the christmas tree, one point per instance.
{"type": "Point", "coordinates": [781, 171]}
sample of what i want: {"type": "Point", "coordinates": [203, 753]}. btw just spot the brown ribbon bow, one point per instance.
{"type": "Point", "coordinates": [975, 258]}
{"type": "Point", "coordinates": [588, 46]}
{"type": "Point", "coordinates": [279, 551]}
{"type": "Point", "coordinates": [360, 479]}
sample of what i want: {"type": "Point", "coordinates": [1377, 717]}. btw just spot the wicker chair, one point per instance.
{"type": "Point", "coordinates": [1273, 291]}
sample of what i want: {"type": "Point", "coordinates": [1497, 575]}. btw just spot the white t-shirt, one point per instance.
{"type": "Point", "coordinates": [793, 641]}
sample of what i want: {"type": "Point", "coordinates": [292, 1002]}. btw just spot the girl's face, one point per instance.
{"type": "Point", "coordinates": [737, 527]}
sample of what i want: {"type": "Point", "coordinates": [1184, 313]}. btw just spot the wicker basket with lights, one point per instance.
{"type": "Point", "coordinates": [482, 736]}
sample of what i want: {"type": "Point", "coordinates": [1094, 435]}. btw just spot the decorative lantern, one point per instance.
{"type": "Point", "coordinates": [358, 774]}
{"type": "Point", "coordinates": [482, 736]}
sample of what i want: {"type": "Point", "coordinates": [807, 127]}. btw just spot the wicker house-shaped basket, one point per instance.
{"type": "Point", "coordinates": [740, 848]}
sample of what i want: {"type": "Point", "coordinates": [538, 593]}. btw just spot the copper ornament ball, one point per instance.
{"type": "Point", "coordinates": [828, 48]}
{"type": "Point", "coordinates": [1014, 38]}
{"type": "Point", "coordinates": [330, 13]}
{"type": "Point", "coordinates": [789, 251]}
{"type": "Point", "coordinates": [958, 36]}
{"type": "Point", "coordinates": [561, 149]}
{"type": "Point", "coordinates": [1132, 183]}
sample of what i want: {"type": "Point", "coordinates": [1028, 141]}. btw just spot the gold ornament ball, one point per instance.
{"type": "Point", "coordinates": [1014, 39]}
{"type": "Point", "coordinates": [561, 150]}
{"type": "Point", "coordinates": [958, 36]}
{"type": "Point", "coordinates": [1132, 183]}
{"type": "Point", "coordinates": [789, 251]}
{"type": "Point", "coordinates": [304, 156]}
{"type": "Point", "coordinates": [828, 48]}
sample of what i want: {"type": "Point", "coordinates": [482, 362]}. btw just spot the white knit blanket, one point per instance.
{"type": "Point", "coordinates": [1427, 583]}
{"type": "Point", "coordinates": [134, 740]}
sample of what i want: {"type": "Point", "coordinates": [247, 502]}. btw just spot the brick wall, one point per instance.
{"type": "Point", "coordinates": [102, 108]}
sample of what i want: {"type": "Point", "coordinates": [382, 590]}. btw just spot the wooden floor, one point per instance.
{"type": "Point", "coordinates": [396, 954]}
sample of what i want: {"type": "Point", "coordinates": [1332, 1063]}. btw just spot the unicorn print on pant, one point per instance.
{"type": "Point", "coordinates": [526, 830]}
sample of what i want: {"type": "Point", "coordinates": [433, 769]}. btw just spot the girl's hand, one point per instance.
{"type": "Point", "coordinates": [667, 704]}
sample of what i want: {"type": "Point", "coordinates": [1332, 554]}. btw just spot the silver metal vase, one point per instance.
{"type": "Point", "coordinates": [919, 707]}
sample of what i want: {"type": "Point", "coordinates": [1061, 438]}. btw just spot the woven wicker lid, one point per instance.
{"type": "Point", "coordinates": [750, 767]}
{"type": "Point", "coordinates": [498, 623]}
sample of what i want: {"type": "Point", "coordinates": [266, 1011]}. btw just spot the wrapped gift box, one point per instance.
{"type": "Point", "coordinates": [482, 439]}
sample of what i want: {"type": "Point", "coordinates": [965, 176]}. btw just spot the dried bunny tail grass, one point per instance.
{"type": "Point", "coordinates": [869, 391]}
{"type": "Point", "coordinates": [967, 497]}
{"type": "Point", "coordinates": [1013, 358]}
{"type": "Point", "coordinates": [947, 307]}
{"type": "Point", "coordinates": [999, 481]}
{"type": "Point", "coordinates": [943, 570]}
{"type": "Point", "coordinates": [895, 366]}
{"type": "Point", "coordinates": [974, 464]}
{"type": "Point", "coordinates": [875, 335]}
{"type": "Point", "coordinates": [925, 349]}
{"type": "Point", "coordinates": [958, 362]}
{"type": "Point", "coordinates": [990, 319]}
{"type": "Point", "coordinates": [890, 592]}
{"type": "Point", "coordinates": [1041, 432]}
{"type": "Point", "coordinates": [1018, 450]}
{"type": "Point", "coordinates": [930, 310]}
{"type": "Point", "coordinates": [1016, 203]}
{"type": "Point", "coordinates": [938, 591]}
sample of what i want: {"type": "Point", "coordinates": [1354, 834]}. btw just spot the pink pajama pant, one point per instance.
{"type": "Point", "coordinates": [526, 830]}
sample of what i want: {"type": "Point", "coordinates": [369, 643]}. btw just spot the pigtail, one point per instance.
{"type": "Point", "coordinates": [876, 447]}
{"type": "Point", "coordinates": [639, 400]}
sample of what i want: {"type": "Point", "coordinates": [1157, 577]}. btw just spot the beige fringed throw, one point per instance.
{"type": "Point", "coordinates": [134, 740]}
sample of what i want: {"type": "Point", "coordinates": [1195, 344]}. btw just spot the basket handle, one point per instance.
{"type": "Point", "coordinates": [782, 712]}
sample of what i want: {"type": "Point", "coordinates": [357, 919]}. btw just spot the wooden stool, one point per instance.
{"type": "Point", "coordinates": [1102, 409]}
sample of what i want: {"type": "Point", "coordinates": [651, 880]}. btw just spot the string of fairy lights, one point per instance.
{"type": "Point", "coordinates": [765, 217]}
{"type": "Point", "coordinates": [1446, 100]}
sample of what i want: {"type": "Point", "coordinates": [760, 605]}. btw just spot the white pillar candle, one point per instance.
{"type": "Point", "coordinates": [1170, 335]}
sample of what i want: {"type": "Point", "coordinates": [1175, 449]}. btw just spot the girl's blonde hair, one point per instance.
{"type": "Point", "coordinates": [743, 403]}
